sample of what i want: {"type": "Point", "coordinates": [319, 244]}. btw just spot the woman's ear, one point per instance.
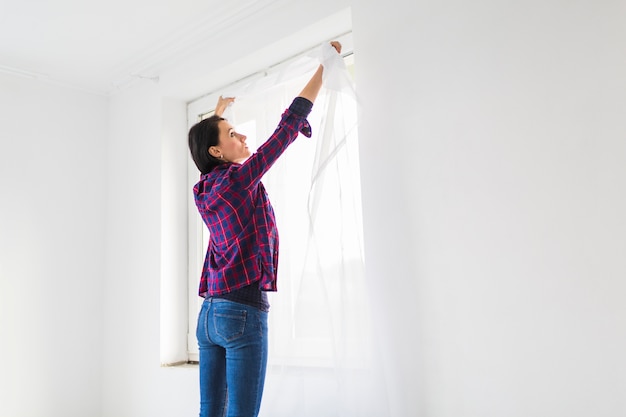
{"type": "Point", "coordinates": [214, 152]}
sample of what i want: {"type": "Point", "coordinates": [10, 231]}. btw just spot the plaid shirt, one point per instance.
{"type": "Point", "coordinates": [233, 203]}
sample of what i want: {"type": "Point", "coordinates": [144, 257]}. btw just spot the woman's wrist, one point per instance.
{"type": "Point", "coordinates": [301, 106]}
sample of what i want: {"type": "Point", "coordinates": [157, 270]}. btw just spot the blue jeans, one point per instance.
{"type": "Point", "coordinates": [232, 340]}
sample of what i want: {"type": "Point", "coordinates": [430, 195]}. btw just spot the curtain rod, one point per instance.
{"type": "Point", "coordinates": [264, 72]}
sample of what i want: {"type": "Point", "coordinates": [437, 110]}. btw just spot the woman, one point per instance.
{"type": "Point", "coordinates": [242, 256]}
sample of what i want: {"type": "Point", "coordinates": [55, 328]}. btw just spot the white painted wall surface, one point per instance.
{"type": "Point", "coordinates": [493, 161]}
{"type": "Point", "coordinates": [52, 221]}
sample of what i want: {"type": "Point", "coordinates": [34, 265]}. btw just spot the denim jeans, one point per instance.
{"type": "Point", "coordinates": [232, 340]}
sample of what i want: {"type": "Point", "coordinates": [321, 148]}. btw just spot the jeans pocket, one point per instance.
{"type": "Point", "coordinates": [230, 323]}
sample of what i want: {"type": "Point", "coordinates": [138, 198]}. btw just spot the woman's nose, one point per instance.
{"type": "Point", "coordinates": [242, 137]}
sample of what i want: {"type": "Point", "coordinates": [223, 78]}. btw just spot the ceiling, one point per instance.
{"type": "Point", "coordinates": [99, 46]}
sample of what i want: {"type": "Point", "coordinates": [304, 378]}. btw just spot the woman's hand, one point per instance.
{"type": "Point", "coordinates": [336, 45]}
{"type": "Point", "coordinates": [312, 88]}
{"type": "Point", "coordinates": [222, 103]}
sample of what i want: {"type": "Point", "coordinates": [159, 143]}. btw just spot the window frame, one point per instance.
{"type": "Point", "coordinates": [197, 110]}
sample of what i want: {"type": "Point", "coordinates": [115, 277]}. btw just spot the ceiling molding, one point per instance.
{"type": "Point", "coordinates": [190, 38]}
{"type": "Point", "coordinates": [22, 73]}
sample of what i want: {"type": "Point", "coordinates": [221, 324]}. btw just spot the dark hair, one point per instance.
{"type": "Point", "coordinates": [202, 136]}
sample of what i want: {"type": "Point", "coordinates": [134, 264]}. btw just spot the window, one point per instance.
{"type": "Point", "coordinates": [315, 191]}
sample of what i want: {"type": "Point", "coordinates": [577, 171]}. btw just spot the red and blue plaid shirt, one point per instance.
{"type": "Point", "coordinates": [233, 203]}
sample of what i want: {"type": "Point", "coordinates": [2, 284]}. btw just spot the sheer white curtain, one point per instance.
{"type": "Point", "coordinates": [322, 358]}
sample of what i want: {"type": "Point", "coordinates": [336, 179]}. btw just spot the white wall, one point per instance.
{"type": "Point", "coordinates": [52, 221]}
{"type": "Point", "coordinates": [493, 159]}
{"type": "Point", "coordinates": [134, 383]}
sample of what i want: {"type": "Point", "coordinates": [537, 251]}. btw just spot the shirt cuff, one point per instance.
{"type": "Point", "coordinates": [301, 106]}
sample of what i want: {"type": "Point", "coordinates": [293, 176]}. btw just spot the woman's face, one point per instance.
{"type": "Point", "coordinates": [232, 145]}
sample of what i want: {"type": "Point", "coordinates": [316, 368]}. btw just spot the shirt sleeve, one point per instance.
{"type": "Point", "coordinates": [293, 121]}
